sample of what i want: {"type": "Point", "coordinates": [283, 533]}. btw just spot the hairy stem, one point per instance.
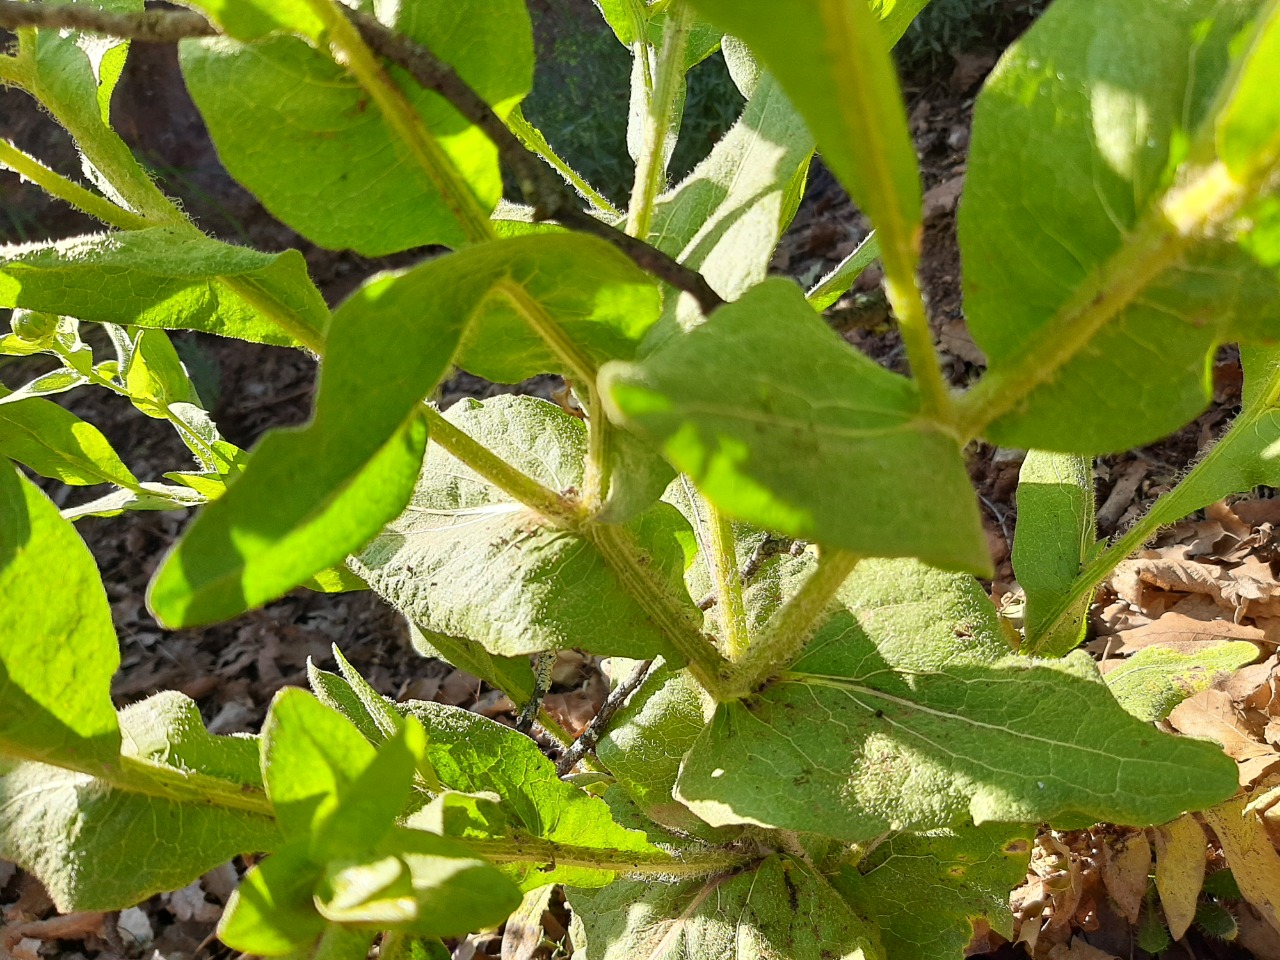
{"type": "Point", "coordinates": [628, 862]}
{"type": "Point", "coordinates": [723, 558]}
{"type": "Point", "coordinates": [350, 49]}
{"type": "Point", "coordinates": [661, 120]}
{"type": "Point", "coordinates": [793, 625]}
{"type": "Point", "coordinates": [98, 207]}
{"type": "Point", "coordinates": [674, 616]}
{"type": "Point", "coordinates": [555, 507]}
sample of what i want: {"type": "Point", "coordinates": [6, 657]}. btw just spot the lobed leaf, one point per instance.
{"type": "Point", "coordinates": [781, 424]}
{"type": "Point", "coordinates": [362, 187]}
{"type": "Point", "coordinates": [915, 699]}
{"type": "Point", "coordinates": [464, 561]}
{"type": "Point", "coordinates": [1133, 261]}
{"type": "Point", "coordinates": [926, 891]}
{"type": "Point", "coordinates": [167, 277]}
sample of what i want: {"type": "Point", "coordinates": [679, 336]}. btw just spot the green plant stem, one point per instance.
{"type": "Point", "coordinates": [791, 627]}
{"type": "Point", "coordinates": [662, 119]}
{"type": "Point", "coordinates": [723, 558]}
{"type": "Point", "coordinates": [1169, 508]}
{"type": "Point", "coordinates": [903, 290]}
{"type": "Point", "coordinates": [555, 507]}
{"type": "Point", "coordinates": [583, 371]}
{"type": "Point", "coordinates": [634, 863]}
{"type": "Point", "coordinates": [100, 208]}
{"type": "Point", "coordinates": [673, 615]}
{"type": "Point", "coordinates": [351, 50]}
{"type": "Point", "coordinates": [533, 140]}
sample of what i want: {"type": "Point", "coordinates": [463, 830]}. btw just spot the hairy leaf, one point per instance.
{"type": "Point", "coordinates": [55, 443]}
{"type": "Point", "coordinates": [778, 910]}
{"type": "Point", "coordinates": [168, 277]}
{"type": "Point", "coordinates": [782, 424]}
{"type": "Point", "coordinates": [57, 644]}
{"type": "Point", "coordinates": [649, 737]}
{"type": "Point", "coordinates": [252, 19]}
{"type": "Point", "coordinates": [1156, 679]}
{"type": "Point", "coordinates": [373, 196]}
{"type": "Point", "coordinates": [473, 754]}
{"type": "Point", "coordinates": [925, 891]}
{"type": "Point", "coordinates": [464, 561]}
{"type": "Point", "coordinates": [103, 845]}
{"type": "Point", "coordinates": [1056, 535]}
{"type": "Point", "coordinates": [915, 700]}
{"type": "Point", "coordinates": [1134, 258]}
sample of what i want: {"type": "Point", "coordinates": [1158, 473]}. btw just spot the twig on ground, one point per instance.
{"type": "Point", "coordinates": [541, 186]}
{"type": "Point", "coordinates": [587, 740]}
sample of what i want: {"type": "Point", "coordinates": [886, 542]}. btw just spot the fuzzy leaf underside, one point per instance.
{"type": "Point", "coordinates": [926, 726]}
{"type": "Point", "coordinates": [1080, 136]}
{"type": "Point", "coordinates": [778, 910]}
{"type": "Point", "coordinates": [463, 561]}
{"type": "Point", "coordinates": [1055, 537]}
{"type": "Point", "coordinates": [925, 891]}
{"type": "Point", "coordinates": [98, 846]}
{"type": "Point", "coordinates": [162, 277]}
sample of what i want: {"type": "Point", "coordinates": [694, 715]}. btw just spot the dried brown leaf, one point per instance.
{"type": "Point", "coordinates": [1212, 714]}
{"type": "Point", "coordinates": [1079, 950]}
{"type": "Point", "coordinates": [1126, 866]}
{"type": "Point", "coordinates": [1251, 855]}
{"type": "Point", "coordinates": [1180, 863]}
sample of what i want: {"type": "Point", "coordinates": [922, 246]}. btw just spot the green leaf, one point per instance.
{"type": "Point", "coordinates": [57, 444]}
{"type": "Point", "coordinates": [896, 15]}
{"type": "Point", "coordinates": [776, 420]}
{"type": "Point", "coordinates": [167, 277]}
{"type": "Point", "coordinates": [628, 19]}
{"type": "Point", "coordinates": [155, 376]}
{"type": "Point", "coordinates": [290, 516]}
{"type": "Point", "coordinates": [464, 561]}
{"type": "Point", "coordinates": [779, 910]}
{"type": "Point", "coordinates": [1156, 679]}
{"type": "Point", "coordinates": [1135, 258]}
{"type": "Point", "coordinates": [327, 782]}
{"type": "Point", "coordinates": [914, 700]}
{"type": "Point", "coordinates": [105, 844]}
{"type": "Point", "coordinates": [252, 19]}
{"type": "Point", "coordinates": [1248, 137]}
{"type": "Point", "coordinates": [58, 647]}
{"type": "Point", "coordinates": [271, 912]}
{"type": "Point", "coordinates": [362, 188]}
{"type": "Point", "coordinates": [832, 59]}
{"type": "Point", "coordinates": [1055, 537]}
{"type": "Point", "coordinates": [84, 67]}
{"type": "Point", "coordinates": [598, 298]}
{"type": "Point", "coordinates": [839, 281]}
{"type": "Point", "coordinates": [512, 675]}
{"type": "Point", "coordinates": [1247, 456]}
{"type": "Point", "coordinates": [473, 754]}
{"type": "Point", "coordinates": [726, 218]}
{"type": "Point", "coordinates": [649, 737]}
{"type": "Point", "coordinates": [925, 891]}
{"type": "Point", "coordinates": [47, 385]}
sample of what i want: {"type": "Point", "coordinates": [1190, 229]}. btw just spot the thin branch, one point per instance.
{"type": "Point", "coordinates": [542, 188]}
{"type": "Point", "coordinates": [619, 695]}
{"type": "Point", "coordinates": [149, 26]}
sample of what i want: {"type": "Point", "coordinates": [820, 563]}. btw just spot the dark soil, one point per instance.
{"type": "Point", "coordinates": [233, 669]}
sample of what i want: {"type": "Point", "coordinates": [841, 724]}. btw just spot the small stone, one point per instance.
{"type": "Point", "coordinates": [133, 923]}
